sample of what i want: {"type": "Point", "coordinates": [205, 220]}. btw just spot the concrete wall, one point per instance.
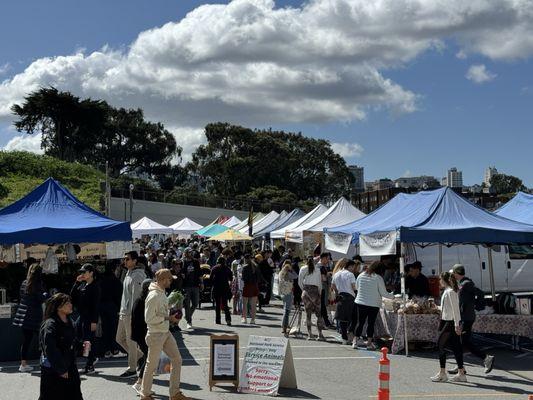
{"type": "Point", "coordinates": [166, 213]}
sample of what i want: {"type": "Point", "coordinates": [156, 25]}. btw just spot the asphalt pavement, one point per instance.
{"type": "Point", "coordinates": [324, 370]}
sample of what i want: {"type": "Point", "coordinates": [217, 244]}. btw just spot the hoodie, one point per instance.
{"type": "Point", "coordinates": [156, 310]}
{"type": "Point", "coordinates": [131, 289]}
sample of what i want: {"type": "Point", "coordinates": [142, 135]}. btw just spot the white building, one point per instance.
{"type": "Point", "coordinates": [454, 179]}
{"type": "Point", "coordinates": [489, 173]}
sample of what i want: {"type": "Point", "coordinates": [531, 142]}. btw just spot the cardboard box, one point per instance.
{"type": "Point", "coordinates": [523, 306]}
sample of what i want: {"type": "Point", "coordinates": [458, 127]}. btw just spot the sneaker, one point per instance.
{"type": "Point", "coordinates": [119, 354]}
{"type": "Point", "coordinates": [321, 337]}
{"type": "Point", "coordinates": [455, 371]}
{"type": "Point", "coordinates": [25, 368]}
{"type": "Point", "coordinates": [128, 374]}
{"type": "Point", "coordinates": [360, 342]}
{"type": "Point", "coordinates": [489, 363]}
{"type": "Point", "coordinates": [440, 377]}
{"type": "Point", "coordinates": [189, 326]}
{"type": "Point", "coordinates": [244, 321]}
{"type": "Point", "coordinates": [310, 337]}
{"type": "Point", "coordinates": [459, 378]}
{"type": "Point", "coordinates": [252, 321]}
{"type": "Point", "coordinates": [137, 387]}
{"type": "Point", "coordinates": [179, 396]}
{"type": "Point", "coordinates": [108, 354]}
{"type": "Point", "coordinates": [371, 346]}
{"type": "Point", "coordinates": [88, 370]}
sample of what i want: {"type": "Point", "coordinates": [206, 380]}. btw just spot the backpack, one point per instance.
{"type": "Point", "coordinates": [505, 303]}
{"type": "Point", "coordinates": [248, 274]}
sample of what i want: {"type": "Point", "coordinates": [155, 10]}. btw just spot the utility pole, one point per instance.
{"type": "Point", "coordinates": [131, 202]}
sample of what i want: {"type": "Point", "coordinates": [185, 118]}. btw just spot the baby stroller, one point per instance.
{"type": "Point", "coordinates": [206, 295]}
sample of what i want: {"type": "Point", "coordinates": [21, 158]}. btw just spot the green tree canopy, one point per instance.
{"type": "Point", "coordinates": [502, 183]}
{"type": "Point", "coordinates": [93, 132]}
{"type": "Point", "coordinates": [236, 160]}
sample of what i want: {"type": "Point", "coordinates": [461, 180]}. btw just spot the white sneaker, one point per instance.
{"type": "Point", "coordinates": [189, 326]}
{"type": "Point", "coordinates": [244, 321]}
{"type": "Point", "coordinates": [26, 368]}
{"type": "Point", "coordinates": [440, 377]}
{"type": "Point", "coordinates": [459, 378]}
{"type": "Point", "coordinates": [137, 387]}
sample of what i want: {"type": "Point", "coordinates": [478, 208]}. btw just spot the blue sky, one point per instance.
{"type": "Point", "coordinates": [434, 117]}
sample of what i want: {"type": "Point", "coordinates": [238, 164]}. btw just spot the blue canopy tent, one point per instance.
{"type": "Point", "coordinates": [439, 216]}
{"type": "Point", "coordinates": [519, 208]}
{"type": "Point", "coordinates": [51, 214]}
{"type": "Point", "coordinates": [211, 230]}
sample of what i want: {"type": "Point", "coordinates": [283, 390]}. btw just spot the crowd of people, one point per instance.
{"type": "Point", "coordinates": [126, 307]}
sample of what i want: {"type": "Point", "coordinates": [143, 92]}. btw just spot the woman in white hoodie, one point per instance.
{"type": "Point", "coordinates": [450, 329]}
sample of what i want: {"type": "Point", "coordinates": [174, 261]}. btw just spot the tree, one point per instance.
{"type": "Point", "coordinates": [92, 132]}
{"type": "Point", "coordinates": [236, 160]}
{"type": "Point", "coordinates": [270, 194]}
{"type": "Point", "coordinates": [502, 183]}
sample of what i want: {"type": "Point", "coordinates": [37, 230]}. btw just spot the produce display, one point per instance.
{"type": "Point", "coordinates": [420, 305]}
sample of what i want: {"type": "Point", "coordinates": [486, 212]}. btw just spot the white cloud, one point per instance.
{"type": "Point", "coordinates": [251, 63]}
{"type": "Point", "coordinates": [347, 150]}
{"type": "Point", "coordinates": [189, 139]}
{"type": "Point", "coordinates": [479, 74]}
{"type": "Point", "coordinates": [4, 68]}
{"type": "Point", "coordinates": [31, 143]}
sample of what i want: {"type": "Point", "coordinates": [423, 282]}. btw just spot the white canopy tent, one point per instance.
{"type": "Point", "coordinates": [232, 222]}
{"type": "Point", "coordinates": [315, 212]}
{"type": "Point", "coordinates": [269, 226]}
{"type": "Point", "coordinates": [244, 223]}
{"type": "Point", "coordinates": [146, 226]}
{"type": "Point", "coordinates": [185, 227]}
{"type": "Point", "coordinates": [261, 223]}
{"type": "Point", "coordinates": [280, 222]}
{"type": "Point", "coordinates": [339, 213]}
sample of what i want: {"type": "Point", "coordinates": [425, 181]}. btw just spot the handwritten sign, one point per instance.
{"type": "Point", "coordinates": [223, 360]}
{"type": "Point", "coordinates": [267, 366]}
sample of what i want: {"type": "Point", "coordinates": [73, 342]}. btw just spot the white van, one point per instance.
{"type": "Point", "coordinates": [513, 265]}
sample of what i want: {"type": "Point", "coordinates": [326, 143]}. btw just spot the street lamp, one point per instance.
{"type": "Point", "coordinates": [131, 201]}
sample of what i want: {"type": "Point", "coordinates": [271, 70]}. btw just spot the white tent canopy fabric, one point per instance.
{"type": "Point", "coordinates": [232, 222]}
{"type": "Point", "coordinates": [261, 223]}
{"type": "Point", "coordinates": [146, 226]}
{"type": "Point", "coordinates": [315, 212]}
{"type": "Point", "coordinates": [266, 228]}
{"type": "Point", "coordinates": [185, 227]}
{"type": "Point", "coordinates": [281, 221]}
{"type": "Point", "coordinates": [244, 222]}
{"type": "Point", "coordinates": [342, 212]}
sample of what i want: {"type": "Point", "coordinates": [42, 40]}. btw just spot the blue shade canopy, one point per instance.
{"type": "Point", "coordinates": [438, 216]}
{"type": "Point", "coordinates": [211, 230]}
{"type": "Point", "coordinates": [51, 214]}
{"type": "Point", "coordinates": [519, 208]}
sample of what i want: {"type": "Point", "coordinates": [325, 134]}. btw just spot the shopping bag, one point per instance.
{"type": "Point", "coordinates": [164, 364]}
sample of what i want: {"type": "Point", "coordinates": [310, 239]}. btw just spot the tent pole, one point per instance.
{"type": "Point", "coordinates": [404, 296]}
{"type": "Point", "coordinates": [440, 259]}
{"type": "Point", "coordinates": [491, 274]}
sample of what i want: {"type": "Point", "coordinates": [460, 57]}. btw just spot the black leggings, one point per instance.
{"type": "Point", "coordinates": [27, 335]}
{"type": "Point", "coordinates": [447, 335]}
{"type": "Point", "coordinates": [366, 312]}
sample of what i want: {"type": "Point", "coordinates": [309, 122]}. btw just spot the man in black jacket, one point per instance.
{"type": "Point", "coordinates": [192, 284]}
{"type": "Point", "coordinates": [467, 304]}
{"type": "Point", "coordinates": [85, 296]}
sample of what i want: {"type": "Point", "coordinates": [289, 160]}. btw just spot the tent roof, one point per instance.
{"type": "Point", "coordinates": [51, 214]}
{"type": "Point", "coordinates": [519, 208]}
{"type": "Point", "coordinates": [232, 222]}
{"type": "Point", "coordinates": [185, 225]}
{"type": "Point", "coordinates": [439, 216]}
{"type": "Point", "coordinates": [282, 220]}
{"type": "Point", "coordinates": [211, 230]}
{"type": "Point", "coordinates": [231, 235]}
{"type": "Point", "coordinates": [279, 233]}
{"type": "Point", "coordinates": [244, 223]}
{"type": "Point", "coordinates": [340, 212]}
{"type": "Point", "coordinates": [263, 222]}
{"type": "Point", "coordinates": [147, 226]}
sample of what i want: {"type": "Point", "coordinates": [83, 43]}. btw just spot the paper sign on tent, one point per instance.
{"type": "Point", "coordinates": [267, 366]}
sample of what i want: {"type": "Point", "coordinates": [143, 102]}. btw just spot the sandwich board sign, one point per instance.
{"type": "Point", "coordinates": [267, 366]}
{"type": "Point", "coordinates": [223, 360]}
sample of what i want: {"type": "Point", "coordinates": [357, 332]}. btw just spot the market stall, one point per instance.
{"type": "Point", "coordinates": [211, 230]}
{"type": "Point", "coordinates": [50, 223]}
{"type": "Point", "coordinates": [185, 227]}
{"type": "Point", "coordinates": [147, 226]}
{"type": "Point", "coordinates": [283, 219]}
{"type": "Point", "coordinates": [257, 225]}
{"type": "Point", "coordinates": [433, 217]}
{"type": "Point", "coordinates": [230, 235]}
{"type": "Point", "coordinates": [280, 232]}
{"type": "Point", "coordinates": [232, 222]}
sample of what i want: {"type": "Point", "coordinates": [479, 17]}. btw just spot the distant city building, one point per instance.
{"type": "Point", "coordinates": [359, 176]}
{"type": "Point", "coordinates": [489, 173]}
{"type": "Point", "coordinates": [474, 189]}
{"type": "Point", "coordinates": [419, 182]}
{"type": "Point", "coordinates": [454, 179]}
{"type": "Point", "coordinates": [444, 181]}
{"type": "Point", "coordinates": [380, 184]}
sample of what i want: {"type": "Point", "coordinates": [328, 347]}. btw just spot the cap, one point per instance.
{"type": "Point", "coordinates": [458, 269]}
{"type": "Point", "coordinates": [164, 273]}
{"type": "Point", "coordinates": [87, 268]}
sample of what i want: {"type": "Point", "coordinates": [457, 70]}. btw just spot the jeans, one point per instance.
{"type": "Point", "coordinates": [192, 297]}
{"type": "Point", "coordinates": [158, 342]}
{"type": "Point", "coordinates": [124, 340]}
{"type": "Point", "coordinates": [366, 312]}
{"type": "Point", "coordinates": [287, 306]}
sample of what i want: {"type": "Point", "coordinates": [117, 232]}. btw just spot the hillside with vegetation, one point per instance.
{"type": "Point", "coordinates": [20, 172]}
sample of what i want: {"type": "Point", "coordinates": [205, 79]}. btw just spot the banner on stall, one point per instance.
{"type": "Point", "coordinates": [338, 242]}
{"type": "Point", "coordinates": [378, 244]}
{"type": "Point", "coordinates": [117, 249]}
{"type": "Point", "coordinates": [224, 360]}
{"type": "Point", "coordinates": [267, 366]}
